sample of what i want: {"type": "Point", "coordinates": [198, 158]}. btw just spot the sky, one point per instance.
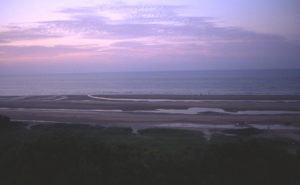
{"type": "Point", "coordinates": [79, 36]}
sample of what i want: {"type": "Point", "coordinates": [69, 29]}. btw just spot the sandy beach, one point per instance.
{"type": "Point", "coordinates": [140, 111]}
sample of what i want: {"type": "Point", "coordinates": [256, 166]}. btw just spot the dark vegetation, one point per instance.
{"type": "Point", "coordinates": [5, 121]}
{"type": "Point", "coordinates": [243, 132]}
{"type": "Point", "coordinates": [61, 154]}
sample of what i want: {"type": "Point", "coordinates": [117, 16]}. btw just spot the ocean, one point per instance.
{"type": "Point", "coordinates": [235, 82]}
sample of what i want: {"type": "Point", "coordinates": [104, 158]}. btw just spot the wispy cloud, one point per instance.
{"type": "Point", "coordinates": [32, 52]}
{"type": "Point", "coordinates": [17, 33]}
{"type": "Point", "coordinates": [130, 33]}
{"type": "Point", "coordinates": [152, 21]}
{"type": "Point", "coordinates": [135, 22]}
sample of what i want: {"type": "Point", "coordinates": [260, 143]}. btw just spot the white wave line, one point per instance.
{"type": "Point", "coordinates": [60, 98]}
{"type": "Point", "coordinates": [180, 100]}
{"type": "Point", "coordinates": [138, 100]}
{"type": "Point", "coordinates": [19, 98]}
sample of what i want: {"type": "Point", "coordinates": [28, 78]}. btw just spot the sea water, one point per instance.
{"type": "Point", "coordinates": [234, 82]}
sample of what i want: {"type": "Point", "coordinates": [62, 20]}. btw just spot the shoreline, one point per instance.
{"type": "Point", "coordinates": [203, 112]}
{"type": "Point", "coordinates": [201, 97]}
{"type": "Point", "coordinates": [83, 108]}
{"type": "Point", "coordinates": [173, 96]}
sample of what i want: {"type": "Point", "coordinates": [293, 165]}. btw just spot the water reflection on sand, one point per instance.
{"type": "Point", "coordinates": [228, 126]}
{"type": "Point", "coordinates": [197, 110]}
{"type": "Point", "coordinates": [191, 110]}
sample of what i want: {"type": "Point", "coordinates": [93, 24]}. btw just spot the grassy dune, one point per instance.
{"type": "Point", "coordinates": [61, 154]}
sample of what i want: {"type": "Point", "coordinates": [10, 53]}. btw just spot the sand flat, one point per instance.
{"type": "Point", "coordinates": [84, 109]}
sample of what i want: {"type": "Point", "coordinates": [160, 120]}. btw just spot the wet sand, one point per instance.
{"type": "Point", "coordinates": [140, 111]}
{"type": "Point", "coordinates": [204, 112]}
{"type": "Point", "coordinates": [155, 108]}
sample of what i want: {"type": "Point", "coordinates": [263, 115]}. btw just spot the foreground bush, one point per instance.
{"type": "Point", "coordinates": [71, 155]}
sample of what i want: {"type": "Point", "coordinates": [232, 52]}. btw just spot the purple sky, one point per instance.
{"type": "Point", "coordinates": [56, 36]}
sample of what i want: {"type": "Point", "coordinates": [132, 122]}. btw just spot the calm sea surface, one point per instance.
{"type": "Point", "coordinates": [284, 82]}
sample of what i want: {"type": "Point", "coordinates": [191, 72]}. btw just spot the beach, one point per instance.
{"type": "Point", "coordinates": [148, 111]}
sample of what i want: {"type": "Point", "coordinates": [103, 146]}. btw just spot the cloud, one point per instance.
{"type": "Point", "coordinates": [41, 51]}
{"type": "Point", "coordinates": [128, 44]}
{"type": "Point", "coordinates": [151, 37]}
{"type": "Point", "coordinates": [285, 50]}
{"type": "Point", "coordinates": [127, 10]}
{"type": "Point", "coordinates": [17, 33]}
{"type": "Point", "coordinates": [134, 22]}
{"type": "Point", "coordinates": [150, 21]}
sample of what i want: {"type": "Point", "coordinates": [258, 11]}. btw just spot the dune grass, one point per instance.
{"type": "Point", "coordinates": [62, 154]}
